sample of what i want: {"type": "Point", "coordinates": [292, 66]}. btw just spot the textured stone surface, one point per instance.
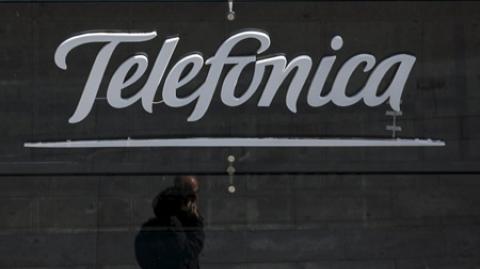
{"type": "Point", "coordinates": [303, 221]}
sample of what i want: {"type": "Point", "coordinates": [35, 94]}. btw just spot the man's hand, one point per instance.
{"type": "Point", "coordinates": [194, 209]}
{"type": "Point", "coordinates": [191, 208]}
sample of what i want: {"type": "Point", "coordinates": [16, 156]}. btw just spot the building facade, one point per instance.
{"type": "Point", "coordinates": [350, 128]}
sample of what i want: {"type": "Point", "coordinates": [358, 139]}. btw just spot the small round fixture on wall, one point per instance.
{"type": "Point", "coordinates": [231, 172]}
{"type": "Point", "coordinates": [231, 13]}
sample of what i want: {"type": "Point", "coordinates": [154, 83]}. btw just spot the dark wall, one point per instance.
{"type": "Point", "coordinates": [272, 221]}
{"type": "Point", "coordinates": [306, 208]}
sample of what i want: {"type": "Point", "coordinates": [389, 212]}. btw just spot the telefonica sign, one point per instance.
{"type": "Point", "coordinates": [183, 71]}
{"type": "Point", "coordinates": [203, 95]}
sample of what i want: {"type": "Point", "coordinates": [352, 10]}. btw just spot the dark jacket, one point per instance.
{"type": "Point", "coordinates": [171, 240]}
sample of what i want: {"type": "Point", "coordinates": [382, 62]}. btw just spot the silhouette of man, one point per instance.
{"type": "Point", "coordinates": [174, 238]}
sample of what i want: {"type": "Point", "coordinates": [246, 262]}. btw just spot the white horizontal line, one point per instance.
{"type": "Point", "coordinates": [239, 142]}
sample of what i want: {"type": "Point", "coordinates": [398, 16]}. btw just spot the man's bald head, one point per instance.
{"type": "Point", "coordinates": [187, 183]}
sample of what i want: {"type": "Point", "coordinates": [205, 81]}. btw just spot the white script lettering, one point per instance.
{"type": "Point", "coordinates": [202, 96]}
